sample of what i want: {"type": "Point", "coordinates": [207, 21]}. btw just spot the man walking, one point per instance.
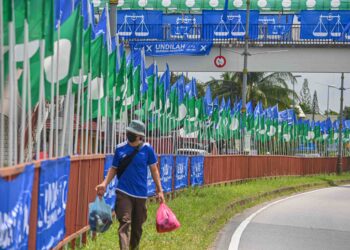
{"type": "Point", "coordinates": [132, 185]}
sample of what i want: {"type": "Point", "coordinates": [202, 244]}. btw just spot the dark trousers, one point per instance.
{"type": "Point", "coordinates": [130, 211]}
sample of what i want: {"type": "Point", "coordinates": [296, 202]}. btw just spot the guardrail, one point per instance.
{"type": "Point", "coordinates": [87, 171]}
{"type": "Point", "coordinates": [259, 35]}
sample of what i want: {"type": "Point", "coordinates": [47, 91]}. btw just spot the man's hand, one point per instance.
{"type": "Point", "coordinates": [160, 197]}
{"type": "Point", "coordinates": [101, 189]}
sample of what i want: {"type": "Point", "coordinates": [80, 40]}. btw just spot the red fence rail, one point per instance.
{"type": "Point", "coordinates": [87, 171]}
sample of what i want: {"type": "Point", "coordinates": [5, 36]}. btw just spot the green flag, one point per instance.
{"type": "Point", "coordinates": [67, 52]}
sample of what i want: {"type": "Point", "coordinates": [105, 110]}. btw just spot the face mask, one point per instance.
{"type": "Point", "coordinates": [131, 137]}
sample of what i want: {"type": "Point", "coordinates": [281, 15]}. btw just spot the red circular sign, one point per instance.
{"type": "Point", "coordinates": [220, 61]}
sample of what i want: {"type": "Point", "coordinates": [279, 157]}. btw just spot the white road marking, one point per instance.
{"type": "Point", "coordinates": [236, 237]}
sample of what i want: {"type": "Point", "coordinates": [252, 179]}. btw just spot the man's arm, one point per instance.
{"type": "Point", "coordinates": [156, 178]}
{"type": "Point", "coordinates": [101, 188]}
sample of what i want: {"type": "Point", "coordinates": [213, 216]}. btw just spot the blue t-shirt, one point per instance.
{"type": "Point", "coordinates": [133, 182]}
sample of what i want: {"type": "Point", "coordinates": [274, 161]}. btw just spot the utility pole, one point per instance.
{"type": "Point", "coordinates": [328, 101]}
{"type": "Point", "coordinates": [245, 71]}
{"type": "Point", "coordinates": [245, 54]}
{"type": "Point", "coordinates": [340, 144]}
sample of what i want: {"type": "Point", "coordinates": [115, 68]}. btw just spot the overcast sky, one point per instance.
{"type": "Point", "coordinates": [317, 82]}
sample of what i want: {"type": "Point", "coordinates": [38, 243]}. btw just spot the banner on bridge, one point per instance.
{"type": "Point", "coordinates": [110, 190]}
{"type": "Point", "coordinates": [140, 24]}
{"type": "Point", "coordinates": [166, 172]}
{"type": "Point", "coordinates": [333, 25]}
{"type": "Point", "coordinates": [197, 170]}
{"type": "Point", "coordinates": [275, 26]}
{"type": "Point", "coordinates": [16, 197]}
{"type": "Point", "coordinates": [181, 172]}
{"type": "Point", "coordinates": [53, 190]}
{"type": "Point", "coordinates": [187, 27]}
{"type": "Point", "coordinates": [197, 48]}
{"type": "Point", "coordinates": [233, 27]}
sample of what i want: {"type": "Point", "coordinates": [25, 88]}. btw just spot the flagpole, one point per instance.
{"type": "Point", "coordinates": [24, 93]}
{"type": "Point", "coordinates": [88, 113]}
{"type": "Point", "coordinates": [71, 123]}
{"type": "Point", "coordinates": [98, 117]}
{"type": "Point", "coordinates": [52, 99]}
{"type": "Point", "coordinates": [12, 84]}
{"type": "Point", "coordinates": [41, 120]}
{"type": "Point", "coordinates": [2, 95]}
{"type": "Point", "coordinates": [77, 120]}
{"type": "Point", "coordinates": [65, 119]}
{"type": "Point", "coordinates": [57, 89]}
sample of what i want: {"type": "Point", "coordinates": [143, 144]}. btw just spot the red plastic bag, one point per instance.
{"type": "Point", "coordinates": [166, 220]}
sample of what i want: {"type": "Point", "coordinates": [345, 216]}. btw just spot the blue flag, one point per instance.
{"type": "Point", "coordinates": [101, 27]}
{"type": "Point", "coordinates": [53, 189]}
{"type": "Point", "coordinates": [181, 172]}
{"type": "Point", "coordinates": [165, 79]}
{"type": "Point", "coordinates": [16, 197]}
{"type": "Point", "coordinates": [110, 190]}
{"type": "Point", "coordinates": [166, 172]}
{"type": "Point", "coordinates": [197, 170]}
{"type": "Point", "coordinates": [208, 102]}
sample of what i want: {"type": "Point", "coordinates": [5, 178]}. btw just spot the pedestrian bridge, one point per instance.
{"type": "Point", "coordinates": [266, 58]}
{"type": "Point", "coordinates": [268, 52]}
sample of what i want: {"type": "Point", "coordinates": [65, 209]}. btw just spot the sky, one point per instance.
{"type": "Point", "coordinates": [317, 81]}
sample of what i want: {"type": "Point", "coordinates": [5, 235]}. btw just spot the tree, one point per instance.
{"type": "Point", "coordinates": [305, 97]}
{"type": "Point", "coordinates": [315, 107]}
{"type": "Point", "coordinates": [346, 113]}
{"type": "Point", "coordinates": [331, 112]}
{"type": "Point", "coordinates": [270, 88]}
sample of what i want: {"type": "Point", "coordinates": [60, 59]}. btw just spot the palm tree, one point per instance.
{"type": "Point", "coordinates": [269, 88]}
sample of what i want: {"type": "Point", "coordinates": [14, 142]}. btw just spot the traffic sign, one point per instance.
{"type": "Point", "coordinates": [220, 61]}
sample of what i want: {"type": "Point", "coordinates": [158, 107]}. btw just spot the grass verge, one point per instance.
{"type": "Point", "coordinates": [202, 212]}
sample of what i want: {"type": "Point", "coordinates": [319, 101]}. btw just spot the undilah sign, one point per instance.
{"type": "Point", "coordinates": [173, 48]}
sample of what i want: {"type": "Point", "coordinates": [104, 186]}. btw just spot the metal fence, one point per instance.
{"type": "Point", "coordinates": [87, 171]}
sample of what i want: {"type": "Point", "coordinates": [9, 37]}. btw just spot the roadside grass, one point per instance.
{"type": "Point", "coordinates": [202, 212]}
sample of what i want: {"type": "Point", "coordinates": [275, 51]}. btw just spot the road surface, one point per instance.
{"type": "Point", "coordinates": [318, 219]}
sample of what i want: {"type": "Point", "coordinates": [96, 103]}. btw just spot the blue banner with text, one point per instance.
{"type": "Point", "coordinates": [16, 197]}
{"type": "Point", "coordinates": [110, 190]}
{"type": "Point", "coordinates": [333, 25]}
{"type": "Point", "coordinates": [53, 191]}
{"type": "Point", "coordinates": [166, 170]}
{"type": "Point", "coordinates": [173, 48]}
{"type": "Point", "coordinates": [181, 172]}
{"type": "Point", "coordinates": [197, 170]}
{"type": "Point", "coordinates": [151, 186]}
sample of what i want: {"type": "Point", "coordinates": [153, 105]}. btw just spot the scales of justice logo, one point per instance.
{"type": "Point", "coordinates": [126, 29]}
{"type": "Point", "coordinates": [335, 30]}
{"type": "Point", "coordinates": [185, 27]}
{"type": "Point", "coordinates": [267, 23]}
{"type": "Point", "coordinates": [222, 30]}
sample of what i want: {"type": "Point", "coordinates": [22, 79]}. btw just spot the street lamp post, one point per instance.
{"type": "Point", "coordinates": [293, 82]}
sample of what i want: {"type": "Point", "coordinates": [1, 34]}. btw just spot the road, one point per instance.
{"type": "Point", "coordinates": [318, 219]}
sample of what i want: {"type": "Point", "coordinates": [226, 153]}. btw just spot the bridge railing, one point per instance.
{"type": "Point", "coordinates": [87, 171]}
{"type": "Point", "coordinates": [258, 35]}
